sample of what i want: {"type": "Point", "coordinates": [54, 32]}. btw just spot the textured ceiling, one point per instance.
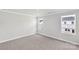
{"type": "Point", "coordinates": [37, 12]}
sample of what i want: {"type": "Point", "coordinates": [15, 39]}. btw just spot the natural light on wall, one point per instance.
{"type": "Point", "coordinates": [41, 20]}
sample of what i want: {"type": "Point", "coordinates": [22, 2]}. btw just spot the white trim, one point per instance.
{"type": "Point", "coordinates": [37, 13]}
{"type": "Point", "coordinates": [69, 15]}
{"type": "Point", "coordinates": [57, 13]}
{"type": "Point", "coordinates": [75, 43]}
{"type": "Point", "coordinates": [16, 37]}
{"type": "Point", "coordinates": [16, 13]}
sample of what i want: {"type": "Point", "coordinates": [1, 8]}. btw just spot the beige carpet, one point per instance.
{"type": "Point", "coordinates": [37, 42]}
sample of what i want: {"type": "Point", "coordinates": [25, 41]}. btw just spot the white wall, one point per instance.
{"type": "Point", "coordinates": [15, 26]}
{"type": "Point", "coordinates": [52, 27]}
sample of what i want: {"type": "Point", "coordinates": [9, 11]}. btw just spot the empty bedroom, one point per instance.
{"type": "Point", "coordinates": [39, 29]}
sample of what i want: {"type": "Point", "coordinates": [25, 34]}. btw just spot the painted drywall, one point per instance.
{"type": "Point", "coordinates": [52, 27]}
{"type": "Point", "coordinates": [14, 26]}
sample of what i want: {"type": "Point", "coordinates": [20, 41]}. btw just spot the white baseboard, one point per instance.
{"type": "Point", "coordinates": [17, 37]}
{"type": "Point", "coordinates": [75, 43]}
{"type": "Point", "coordinates": [40, 34]}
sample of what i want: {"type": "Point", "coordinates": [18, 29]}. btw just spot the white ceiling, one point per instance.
{"type": "Point", "coordinates": [37, 12]}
